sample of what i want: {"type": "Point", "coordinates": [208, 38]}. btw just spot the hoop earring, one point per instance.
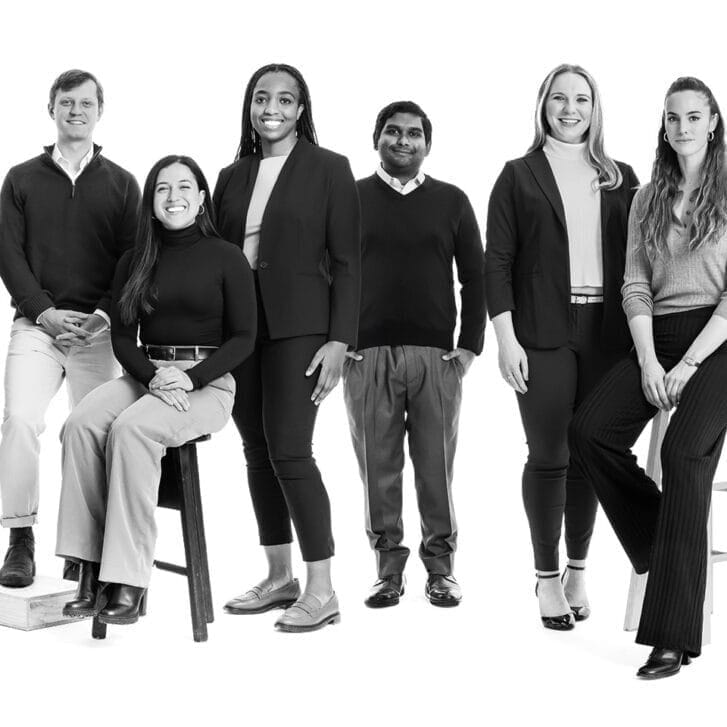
{"type": "Point", "coordinates": [666, 138]}
{"type": "Point", "coordinates": [710, 136]}
{"type": "Point", "coordinates": [201, 210]}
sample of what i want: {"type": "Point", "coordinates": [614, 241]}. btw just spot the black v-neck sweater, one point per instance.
{"type": "Point", "coordinates": [409, 244]}
{"type": "Point", "coordinates": [205, 296]}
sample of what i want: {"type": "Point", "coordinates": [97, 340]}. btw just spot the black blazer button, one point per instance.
{"type": "Point", "coordinates": [262, 265]}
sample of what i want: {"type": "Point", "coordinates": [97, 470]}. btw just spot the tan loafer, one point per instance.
{"type": "Point", "coordinates": [258, 601]}
{"type": "Point", "coordinates": [309, 614]}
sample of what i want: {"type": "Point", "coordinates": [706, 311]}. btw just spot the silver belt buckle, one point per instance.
{"type": "Point", "coordinates": [580, 299]}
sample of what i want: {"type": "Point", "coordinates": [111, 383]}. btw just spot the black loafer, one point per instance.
{"type": "Point", "coordinates": [386, 591]}
{"type": "Point", "coordinates": [19, 567]}
{"type": "Point", "coordinates": [85, 602]}
{"type": "Point", "coordinates": [125, 605]}
{"type": "Point", "coordinates": [663, 663]}
{"type": "Point", "coordinates": [442, 590]}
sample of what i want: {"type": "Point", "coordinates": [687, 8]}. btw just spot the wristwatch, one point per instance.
{"type": "Point", "coordinates": [689, 361]}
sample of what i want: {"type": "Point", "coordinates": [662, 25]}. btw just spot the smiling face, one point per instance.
{"type": "Point", "coordinates": [569, 108]}
{"type": "Point", "coordinates": [402, 146]}
{"type": "Point", "coordinates": [274, 112]}
{"type": "Point", "coordinates": [688, 121]}
{"type": "Point", "coordinates": [76, 112]}
{"type": "Point", "coordinates": [177, 197]}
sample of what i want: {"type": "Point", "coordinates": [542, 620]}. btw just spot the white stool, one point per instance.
{"type": "Point", "coordinates": [637, 587]}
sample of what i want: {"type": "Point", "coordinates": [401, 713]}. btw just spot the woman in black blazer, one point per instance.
{"type": "Point", "coordinates": [293, 207]}
{"type": "Point", "coordinates": [556, 240]}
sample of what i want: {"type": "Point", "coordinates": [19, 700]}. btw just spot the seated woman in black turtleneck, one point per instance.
{"type": "Point", "coordinates": [191, 299]}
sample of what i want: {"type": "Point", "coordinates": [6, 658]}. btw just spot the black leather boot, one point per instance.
{"type": "Point", "coordinates": [19, 566]}
{"type": "Point", "coordinates": [125, 605]}
{"type": "Point", "coordinates": [85, 602]}
{"type": "Point", "coordinates": [70, 571]}
{"type": "Point", "coordinates": [663, 663]}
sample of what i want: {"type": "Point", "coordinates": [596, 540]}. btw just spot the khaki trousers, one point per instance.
{"type": "Point", "coordinates": [113, 444]}
{"type": "Point", "coordinates": [34, 371]}
{"type": "Point", "coordinates": [398, 390]}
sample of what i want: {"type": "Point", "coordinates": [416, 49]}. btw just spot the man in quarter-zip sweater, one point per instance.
{"type": "Point", "coordinates": [66, 217]}
{"type": "Point", "coordinates": [406, 376]}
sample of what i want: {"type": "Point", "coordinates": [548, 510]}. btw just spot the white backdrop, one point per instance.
{"type": "Point", "coordinates": [174, 76]}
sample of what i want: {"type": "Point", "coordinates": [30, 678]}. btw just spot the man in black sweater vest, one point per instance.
{"type": "Point", "coordinates": [66, 217]}
{"type": "Point", "coordinates": [406, 375]}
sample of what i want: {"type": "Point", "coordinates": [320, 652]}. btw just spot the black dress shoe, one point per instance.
{"type": "Point", "coordinates": [386, 591]}
{"type": "Point", "coordinates": [125, 605]}
{"type": "Point", "coordinates": [442, 590]}
{"type": "Point", "coordinates": [19, 566]}
{"type": "Point", "coordinates": [663, 663]}
{"type": "Point", "coordinates": [85, 602]}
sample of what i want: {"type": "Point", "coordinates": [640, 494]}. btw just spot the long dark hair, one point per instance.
{"type": "Point", "coordinates": [709, 219]}
{"type": "Point", "coordinates": [609, 175]}
{"type": "Point", "coordinates": [138, 293]}
{"type": "Point", "coordinates": [249, 139]}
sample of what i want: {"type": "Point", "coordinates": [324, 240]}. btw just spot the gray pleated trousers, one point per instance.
{"type": "Point", "coordinates": [113, 444]}
{"type": "Point", "coordinates": [398, 390]}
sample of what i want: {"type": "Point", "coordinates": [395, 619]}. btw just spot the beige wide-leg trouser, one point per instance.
{"type": "Point", "coordinates": [113, 444]}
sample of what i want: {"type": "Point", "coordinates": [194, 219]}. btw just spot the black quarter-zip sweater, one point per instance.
{"type": "Point", "coordinates": [60, 241]}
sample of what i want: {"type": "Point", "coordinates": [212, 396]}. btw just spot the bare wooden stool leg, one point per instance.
{"type": "Point", "coordinates": [637, 586]}
{"type": "Point", "coordinates": [190, 514]}
{"type": "Point", "coordinates": [98, 630]}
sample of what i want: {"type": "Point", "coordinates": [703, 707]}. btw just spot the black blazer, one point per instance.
{"type": "Point", "coordinates": [527, 265]}
{"type": "Point", "coordinates": [309, 259]}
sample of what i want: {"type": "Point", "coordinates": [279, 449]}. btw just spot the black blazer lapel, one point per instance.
{"type": "Point", "coordinates": [607, 200]}
{"type": "Point", "coordinates": [538, 165]}
{"type": "Point", "coordinates": [285, 179]}
{"type": "Point", "coordinates": [242, 182]}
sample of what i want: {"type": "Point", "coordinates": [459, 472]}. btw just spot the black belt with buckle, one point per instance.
{"type": "Point", "coordinates": [179, 353]}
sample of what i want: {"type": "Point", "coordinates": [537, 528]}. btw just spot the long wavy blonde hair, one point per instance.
{"type": "Point", "coordinates": [609, 175]}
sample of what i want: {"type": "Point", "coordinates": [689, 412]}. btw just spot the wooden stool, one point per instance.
{"type": "Point", "coordinates": [637, 587]}
{"type": "Point", "coordinates": [179, 490]}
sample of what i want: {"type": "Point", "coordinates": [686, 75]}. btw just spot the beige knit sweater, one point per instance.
{"type": "Point", "coordinates": [676, 279]}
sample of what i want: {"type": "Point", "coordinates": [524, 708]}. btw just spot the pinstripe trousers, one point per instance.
{"type": "Point", "coordinates": [663, 532]}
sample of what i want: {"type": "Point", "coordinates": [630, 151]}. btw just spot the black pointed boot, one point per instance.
{"type": "Point", "coordinates": [85, 601]}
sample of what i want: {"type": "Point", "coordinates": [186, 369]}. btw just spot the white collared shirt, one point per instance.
{"type": "Point", "coordinates": [65, 165]}
{"type": "Point", "coordinates": [395, 184]}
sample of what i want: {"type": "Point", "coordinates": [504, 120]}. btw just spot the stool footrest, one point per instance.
{"type": "Point", "coordinates": [179, 569]}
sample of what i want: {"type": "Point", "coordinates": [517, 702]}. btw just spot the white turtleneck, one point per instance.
{"type": "Point", "coordinates": [574, 176]}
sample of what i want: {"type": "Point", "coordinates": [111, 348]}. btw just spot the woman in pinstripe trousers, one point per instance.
{"type": "Point", "coordinates": [675, 300]}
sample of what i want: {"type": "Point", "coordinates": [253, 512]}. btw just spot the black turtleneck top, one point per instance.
{"type": "Point", "coordinates": [205, 296]}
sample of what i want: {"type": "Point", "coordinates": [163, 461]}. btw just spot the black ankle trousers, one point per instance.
{"type": "Point", "coordinates": [663, 532]}
{"type": "Point", "coordinates": [553, 488]}
{"type": "Point", "coordinates": [275, 416]}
